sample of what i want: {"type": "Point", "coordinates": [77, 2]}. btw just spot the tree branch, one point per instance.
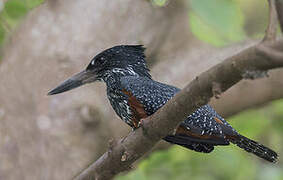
{"type": "Point", "coordinates": [279, 9]}
{"type": "Point", "coordinates": [194, 95]}
{"type": "Point", "coordinates": [252, 63]}
{"type": "Point", "coordinates": [270, 34]}
{"type": "Point", "coordinates": [263, 91]}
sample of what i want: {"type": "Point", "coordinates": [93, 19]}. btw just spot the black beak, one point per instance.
{"type": "Point", "coordinates": [75, 81]}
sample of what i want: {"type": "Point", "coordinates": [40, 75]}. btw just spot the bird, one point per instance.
{"type": "Point", "coordinates": [134, 95]}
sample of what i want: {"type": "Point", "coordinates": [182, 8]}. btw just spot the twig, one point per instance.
{"type": "Point", "coordinates": [271, 53]}
{"type": "Point", "coordinates": [279, 9]}
{"type": "Point", "coordinates": [270, 33]}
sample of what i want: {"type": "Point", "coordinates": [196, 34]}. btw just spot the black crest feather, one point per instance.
{"type": "Point", "coordinates": [131, 57]}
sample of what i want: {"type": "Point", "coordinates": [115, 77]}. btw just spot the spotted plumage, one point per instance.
{"type": "Point", "coordinates": [134, 95]}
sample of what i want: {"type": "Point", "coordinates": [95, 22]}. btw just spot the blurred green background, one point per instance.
{"type": "Point", "coordinates": [218, 23]}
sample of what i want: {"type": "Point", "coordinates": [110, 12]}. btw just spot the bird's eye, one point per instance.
{"type": "Point", "coordinates": [97, 62]}
{"type": "Point", "coordinates": [91, 65]}
{"type": "Point", "coordinates": [92, 62]}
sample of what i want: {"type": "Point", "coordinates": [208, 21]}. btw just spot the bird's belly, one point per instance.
{"type": "Point", "coordinates": [122, 109]}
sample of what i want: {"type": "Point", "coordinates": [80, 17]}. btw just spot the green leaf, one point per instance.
{"type": "Point", "coordinates": [245, 123]}
{"type": "Point", "coordinates": [218, 22]}
{"type": "Point", "coordinates": [159, 2]}
{"type": "Point", "coordinates": [15, 8]}
{"type": "Point", "coordinates": [205, 32]}
{"type": "Point", "coordinates": [2, 34]}
{"type": "Point", "coordinates": [33, 3]}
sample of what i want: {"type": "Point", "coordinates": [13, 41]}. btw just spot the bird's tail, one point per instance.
{"type": "Point", "coordinates": [254, 147]}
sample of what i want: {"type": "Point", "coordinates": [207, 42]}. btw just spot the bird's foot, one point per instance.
{"type": "Point", "coordinates": [141, 125]}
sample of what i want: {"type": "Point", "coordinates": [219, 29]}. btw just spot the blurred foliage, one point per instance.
{"type": "Point", "coordinates": [255, 22]}
{"type": "Point", "coordinates": [12, 12]}
{"type": "Point", "coordinates": [221, 22]}
{"type": "Point", "coordinates": [159, 2]}
{"type": "Point", "coordinates": [2, 34]}
{"type": "Point", "coordinates": [225, 162]}
{"type": "Point", "coordinates": [218, 22]}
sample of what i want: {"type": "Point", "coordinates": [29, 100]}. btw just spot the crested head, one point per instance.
{"type": "Point", "coordinates": [118, 61]}
{"type": "Point", "coordinates": [123, 60]}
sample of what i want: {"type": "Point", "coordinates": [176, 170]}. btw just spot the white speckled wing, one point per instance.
{"type": "Point", "coordinates": [153, 95]}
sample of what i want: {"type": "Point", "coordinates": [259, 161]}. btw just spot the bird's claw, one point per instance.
{"type": "Point", "coordinates": [140, 124]}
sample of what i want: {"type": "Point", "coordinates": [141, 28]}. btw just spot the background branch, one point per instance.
{"type": "Point", "coordinates": [279, 9]}
{"type": "Point", "coordinates": [270, 34]}
{"type": "Point", "coordinates": [181, 71]}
